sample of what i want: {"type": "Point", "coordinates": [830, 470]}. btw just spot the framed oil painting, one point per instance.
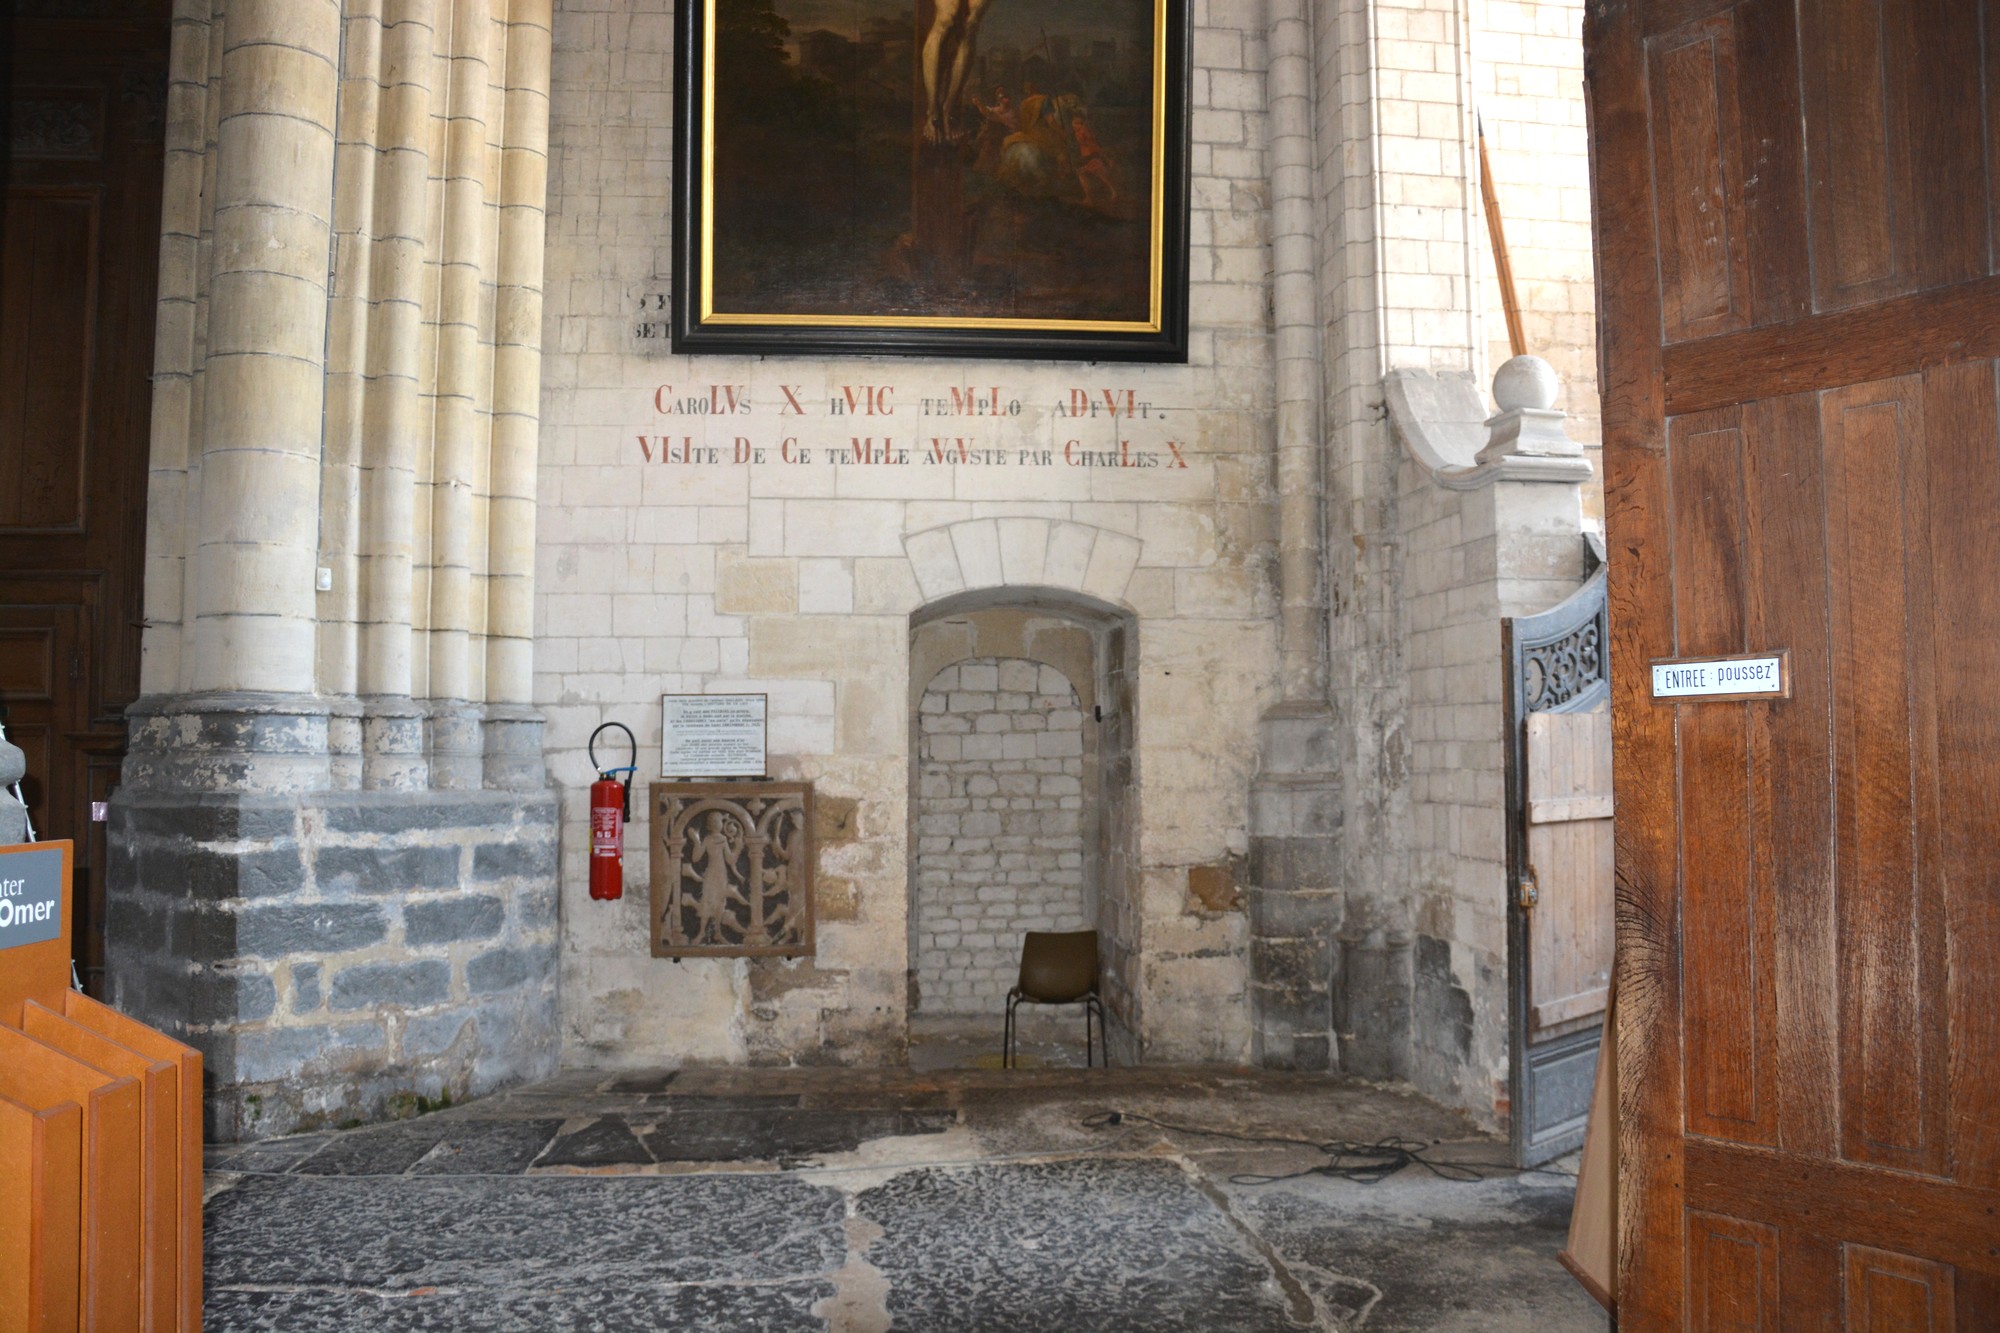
{"type": "Point", "coordinates": [932, 177]}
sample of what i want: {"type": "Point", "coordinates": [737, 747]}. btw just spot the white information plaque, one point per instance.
{"type": "Point", "coordinates": [1758, 676]}
{"type": "Point", "coordinates": [713, 736]}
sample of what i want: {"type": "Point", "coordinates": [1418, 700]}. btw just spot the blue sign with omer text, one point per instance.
{"type": "Point", "coordinates": [31, 887]}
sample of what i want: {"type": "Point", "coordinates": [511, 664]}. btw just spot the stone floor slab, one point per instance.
{"type": "Point", "coordinates": [788, 1134]}
{"type": "Point", "coordinates": [865, 1201]}
{"type": "Point", "coordinates": [606, 1141]}
{"type": "Point", "coordinates": [558, 1308]}
{"type": "Point", "coordinates": [397, 1233]}
{"type": "Point", "coordinates": [1079, 1245]}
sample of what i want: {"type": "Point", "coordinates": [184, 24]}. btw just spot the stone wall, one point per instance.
{"type": "Point", "coordinates": [1418, 575]}
{"type": "Point", "coordinates": [400, 502]}
{"type": "Point", "coordinates": [801, 580]}
{"type": "Point", "coordinates": [1506, 549]}
{"type": "Point", "coordinates": [1000, 826]}
{"type": "Point", "coordinates": [340, 956]}
{"type": "Point", "coordinates": [1528, 80]}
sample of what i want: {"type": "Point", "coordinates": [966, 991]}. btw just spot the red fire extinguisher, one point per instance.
{"type": "Point", "coordinates": [610, 808]}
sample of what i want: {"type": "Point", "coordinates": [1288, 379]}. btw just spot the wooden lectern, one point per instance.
{"type": "Point", "coordinates": [100, 1135]}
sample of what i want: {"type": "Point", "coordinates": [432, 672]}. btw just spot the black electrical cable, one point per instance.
{"type": "Point", "coordinates": [1364, 1163]}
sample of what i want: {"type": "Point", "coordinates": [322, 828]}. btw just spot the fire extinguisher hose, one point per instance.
{"type": "Point", "coordinates": [611, 774]}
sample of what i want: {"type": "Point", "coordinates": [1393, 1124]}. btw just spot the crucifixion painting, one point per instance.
{"type": "Point", "coordinates": [932, 164]}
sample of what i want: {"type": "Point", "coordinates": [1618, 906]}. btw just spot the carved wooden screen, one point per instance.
{"type": "Point", "coordinates": [1558, 688]}
{"type": "Point", "coordinates": [732, 867]}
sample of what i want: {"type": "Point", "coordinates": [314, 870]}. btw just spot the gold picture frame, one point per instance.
{"type": "Point", "coordinates": [954, 178]}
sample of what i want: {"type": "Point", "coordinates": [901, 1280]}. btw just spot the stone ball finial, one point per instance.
{"type": "Point", "coordinates": [1526, 382]}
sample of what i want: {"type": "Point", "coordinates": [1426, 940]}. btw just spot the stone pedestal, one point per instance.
{"type": "Point", "coordinates": [1294, 893]}
{"type": "Point", "coordinates": [335, 954]}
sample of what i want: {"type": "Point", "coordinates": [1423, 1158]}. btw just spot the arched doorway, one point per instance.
{"type": "Point", "coordinates": [1000, 844]}
{"type": "Point", "coordinates": [1021, 799]}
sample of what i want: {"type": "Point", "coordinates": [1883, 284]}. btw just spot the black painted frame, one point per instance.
{"type": "Point", "coordinates": [690, 335]}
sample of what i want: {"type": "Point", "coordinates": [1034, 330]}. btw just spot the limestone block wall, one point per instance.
{"type": "Point", "coordinates": [345, 956]}
{"type": "Point", "coordinates": [1417, 578]}
{"type": "Point", "coordinates": [1000, 826]}
{"type": "Point", "coordinates": [800, 579]}
{"type": "Point", "coordinates": [1471, 557]}
{"type": "Point", "coordinates": [1528, 85]}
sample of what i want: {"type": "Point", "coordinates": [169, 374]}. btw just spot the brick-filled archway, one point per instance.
{"type": "Point", "coordinates": [1000, 839]}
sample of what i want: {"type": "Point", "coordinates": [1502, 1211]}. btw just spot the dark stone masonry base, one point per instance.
{"type": "Point", "coordinates": [339, 956]}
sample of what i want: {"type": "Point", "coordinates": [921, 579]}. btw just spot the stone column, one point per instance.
{"type": "Point", "coordinates": [513, 740]}
{"type": "Point", "coordinates": [1295, 796]}
{"type": "Point", "coordinates": [392, 744]}
{"type": "Point", "coordinates": [186, 219]}
{"type": "Point", "coordinates": [460, 397]}
{"type": "Point", "coordinates": [1295, 275]}
{"type": "Point", "coordinates": [348, 330]}
{"type": "Point", "coordinates": [255, 620]}
{"type": "Point", "coordinates": [331, 949]}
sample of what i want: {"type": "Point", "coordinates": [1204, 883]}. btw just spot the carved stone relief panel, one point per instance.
{"type": "Point", "coordinates": [732, 867]}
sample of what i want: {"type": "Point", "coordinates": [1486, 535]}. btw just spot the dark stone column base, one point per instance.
{"type": "Point", "coordinates": [1295, 897]}
{"type": "Point", "coordinates": [338, 956]}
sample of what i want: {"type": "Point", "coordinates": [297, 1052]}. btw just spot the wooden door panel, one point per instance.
{"type": "Point", "coordinates": [48, 294]}
{"type": "Point", "coordinates": [79, 256]}
{"type": "Point", "coordinates": [1791, 840]}
{"type": "Point", "coordinates": [1698, 164]}
{"type": "Point", "coordinates": [1893, 1024]}
{"type": "Point", "coordinates": [27, 663]}
{"type": "Point", "coordinates": [1896, 1293]}
{"type": "Point", "coordinates": [1735, 1266]}
{"type": "Point", "coordinates": [1726, 919]}
{"type": "Point", "coordinates": [1893, 98]}
{"type": "Point", "coordinates": [1569, 851]}
{"type": "Point", "coordinates": [1962, 412]}
{"type": "Point", "coordinates": [1809, 934]}
{"type": "Point", "coordinates": [1731, 180]}
{"type": "Point", "coordinates": [1992, 44]}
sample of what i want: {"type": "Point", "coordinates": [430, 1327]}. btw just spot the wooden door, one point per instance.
{"type": "Point", "coordinates": [1569, 863]}
{"type": "Point", "coordinates": [1798, 220]}
{"type": "Point", "coordinates": [1559, 867]}
{"type": "Point", "coordinates": [79, 258]}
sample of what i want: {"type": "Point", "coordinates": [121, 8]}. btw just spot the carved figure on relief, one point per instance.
{"type": "Point", "coordinates": [732, 869]}
{"type": "Point", "coordinates": [717, 852]}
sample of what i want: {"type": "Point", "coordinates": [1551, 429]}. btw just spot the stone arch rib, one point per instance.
{"type": "Point", "coordinates": [980, 553]}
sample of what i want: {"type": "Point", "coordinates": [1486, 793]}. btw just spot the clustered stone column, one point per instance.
{"type": "Point", "coordinates": [1295, 798]}
{"type": "Point", "coordinates": [333, 850]}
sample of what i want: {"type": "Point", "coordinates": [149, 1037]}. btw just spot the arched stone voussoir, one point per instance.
{"type": "Point", "coordinates": [980, 553]}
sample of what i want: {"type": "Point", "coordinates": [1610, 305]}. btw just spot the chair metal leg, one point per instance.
{"type": "Point", "coordinates": [1089, 1051]}
{"type": "Point", "coordinates": [1007, 1040]}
